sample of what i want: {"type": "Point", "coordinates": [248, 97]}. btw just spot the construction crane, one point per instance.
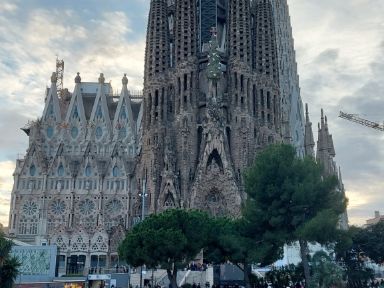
{"type": "Point", "coordinates": [361, 121]}
{"type": "Point", "coordinates": [60, 77]}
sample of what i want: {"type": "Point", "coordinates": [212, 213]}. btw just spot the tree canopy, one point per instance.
{"type": "Point", "coordinates": [8, 265]}
{"type": "Point", "coordinates": [171, 239]}
{"type": "Point", "coordinates": [370, 241]}
{"type": "Point", "coordinates": [290, 199]}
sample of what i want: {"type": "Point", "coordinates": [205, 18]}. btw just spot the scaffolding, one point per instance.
{"type": "Point", "coordinates": [60, 77]}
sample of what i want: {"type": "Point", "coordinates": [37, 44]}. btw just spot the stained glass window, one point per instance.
{"type": "Point", "coordinates": [32, 170]}
{"type": "Point", "coordinates": [74, 132]}
{"type": "Point", "coordinates": [60, 170]}
{"type": "Point", "coordinates": [99, 132]}
{"type": "Point", "coordinates": [50, 131]}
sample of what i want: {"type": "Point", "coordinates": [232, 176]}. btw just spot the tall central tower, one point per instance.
{"type": "Point", "coordinates": [212, 99]}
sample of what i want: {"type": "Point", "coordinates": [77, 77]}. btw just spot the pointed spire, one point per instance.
{"type": "Point", "coordinates": [157, 53]}
{"type": "Point", "coordinates": [100, 111]}
{"type": "Point", "coordinates": [123, 123]}
{"type": "Point", "coordinates": [325, 148]}
{"type": "Point", "coordinates": [185, 30]}
{"type": "Point", "coordinates": [240, 31]}
{"type": "Point", "coordinates": [76, 106]}
{"type": "Point", "coordinates": [322, 118]}
{"type": "Point", "coordinates": [309, 142]}
{"type": "Point", "coordinates": [52, 106]}
{"type": "Point", "coordinates": [264, 59]}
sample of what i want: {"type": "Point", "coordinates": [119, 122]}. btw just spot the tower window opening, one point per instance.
{"type": "Point", "coordinates": [262, 98]}
{"type": "Point", "coordinates": [185, 82]}
{"type": "Point", "coordinates": [156, 98]}
{"type": "Point", "coordinates": [179, 84]}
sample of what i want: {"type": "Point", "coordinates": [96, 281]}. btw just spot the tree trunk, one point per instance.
{"type": "Point", "coordinates": [304, 259]}
{"type": "Point", "coordinates": [172, 276]}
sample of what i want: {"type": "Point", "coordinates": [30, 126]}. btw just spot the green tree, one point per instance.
{"type": "Point", "coordinates": [325, 272]}
{"type": "Point", "coordinates": [8, 265]}
{"type": "Point", "coordinates": [369, 241]}
{"type": "Point", "coordinates": [348, 251]}
{"type": "Point", "coordinates": [170, 239]}
{"type": "Point", "coordinates": [290, 199]}
{"type": "Point", "coordinates": [228, 240]}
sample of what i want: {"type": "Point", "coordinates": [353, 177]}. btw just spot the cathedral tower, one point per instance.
{"type": "Point", "coordinates": [211, 101]}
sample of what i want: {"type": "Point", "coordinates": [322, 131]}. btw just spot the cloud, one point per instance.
{"type": "Point", "coordinates": [339, 54]}
{"type": "Point", "coordinates": [89, 41]}
{"type": "Point", "coordinates": [6, 183]}
{"type": "Point", "coordinates": [7, 7]}
{"type": "Point", "coordinates": [339, 48]}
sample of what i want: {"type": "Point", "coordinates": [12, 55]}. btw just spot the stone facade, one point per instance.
{"type": "Point", "coordinates": [218, 87]}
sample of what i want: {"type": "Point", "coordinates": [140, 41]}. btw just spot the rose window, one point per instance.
{"type": "Point", "coordinates": [86, 206]}
{"type": "Point", "coordinates": [58, 207]}
{"type": "Point", "coordinates": [30, 208]}
{"type": "Point", "coordinates": [114, 206]}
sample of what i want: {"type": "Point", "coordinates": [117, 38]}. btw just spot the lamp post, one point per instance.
{"type": "Point", "coordinates": [143, 194]}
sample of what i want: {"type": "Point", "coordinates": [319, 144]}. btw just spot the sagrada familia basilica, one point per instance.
{"type": "Point", "coordinates": [220, 84]}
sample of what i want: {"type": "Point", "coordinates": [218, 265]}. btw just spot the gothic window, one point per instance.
{"type": "Point", "coordinates": [29, 208]}
{"type": "Point", "coordinates": [99, 113]}
{"type": "Point", "coordinates": [74, 132]}
{"type": "Point", "coordinates": [122, 133]}
{"type": "Point", "coordinates": [123, 114]}
{"type": "Point", "coordinates": [169, 201]}
{"type": "Point", "coordinates": [114, 206]}
{"type": "Point", "coordinates": [50, 131]}
{"type": "Point", "coordinates": [50, 109]}
{"type": "Point", "coordinates": [115, 171]}
{"type": "Point", "coordinates": [28, 226]}
{"type": "Point", "coordinates": [75, 114]}
{"type": "Point", "coordinates": [215, 203]}
{"type": "Point", "coordinates": [58, 207]}
{"type": "Point", "coordinates": [88, 171]}
{"type": "Point", "coordinates": [32, 170]}
{"type": "Point", "coordinates": [99, 132]}
{"type": "Point", "coordinates": [60, 170]}
{"type": "Point", "coordinates": [86, 206]}
{"type": "Point", "coordinates": [23, 225]}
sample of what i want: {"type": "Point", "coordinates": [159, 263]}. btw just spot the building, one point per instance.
{"type": "Point", "coordinates": [220, 84]}
{"type": "Point", "coordinates": [378, 218]}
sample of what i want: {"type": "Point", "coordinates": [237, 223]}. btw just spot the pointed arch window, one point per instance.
{"type": "Point", "coordinates": [60, 170]}
{"type": "Point", "coordinates": [75, 114]}
{"type": "Point", "coordinates": [32, 170]}
{"type": "Point", "coordinates": [122, 133]}
{"type": "Point", "coordinates": [115, 171]}
{"type": "Point", "coordinates": [74, 132]}
{"type": "Point", "coordinates": [123, 113]}
{"type": "Point", "coordinates": [88, 171]}
{"type": "Point", "coordinates": [99, 132]}
{"type": "Point", "coordinates": [99, 113]}
{"type": "Point", "coordinates": [50, 131]}
{"type": "Point", "coordinates": [169, 201]}
{"type": "Point", "coordinates": [50, 111]}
